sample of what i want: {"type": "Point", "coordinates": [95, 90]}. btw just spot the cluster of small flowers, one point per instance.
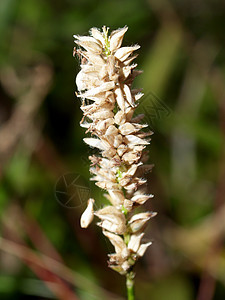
{"type": "Point", "coordinates": [108, 104]}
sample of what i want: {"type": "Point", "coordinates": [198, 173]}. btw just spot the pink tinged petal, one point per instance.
{"type": "Point", "coordinates": [143, 248]}
{"type": "Point", "coordinates": [97, 35]}
{"type": "Point", "coordinates": [129, 97]}
{"type": "Point", "coordinates": [124, 52]}
{"type": "Point", "coordinates": [94, 143]}
{"type": "Point", "coordinates": [132, 139]}
{"type": "Point", "coordinates": [116, 38]}
{"type": "Point", "coordinates": [120, 99]}
{"type": "Point", "coordinates": [135, 241]}
{"type": "Point", "coordinates": [88, 214]}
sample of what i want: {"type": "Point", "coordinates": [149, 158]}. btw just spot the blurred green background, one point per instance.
{"type": "Point", "coordinates": [44, 254]}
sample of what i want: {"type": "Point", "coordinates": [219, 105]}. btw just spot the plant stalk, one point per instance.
{"type": "Point", "coordinates": [130, 285]}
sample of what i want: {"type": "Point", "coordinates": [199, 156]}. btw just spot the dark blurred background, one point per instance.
{"type": "Point", "coordinates": [44, 176]}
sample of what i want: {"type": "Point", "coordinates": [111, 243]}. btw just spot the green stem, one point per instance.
{"type": "Point", "coordinates": [130, 285]}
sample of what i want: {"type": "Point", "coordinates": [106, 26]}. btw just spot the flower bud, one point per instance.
{"type": "Point", "coordinates": [112, 219]}
{"type": "Point", "coordinates": [139, 220]}
{"type": "Point", "coordinates": [143, 248]}
{"type": "Point", "coordinates": [135, 241]}
{"type": "Point", "coordinates": [88, 214]}
{"type": "Point", "coordinates": [116, 38]}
